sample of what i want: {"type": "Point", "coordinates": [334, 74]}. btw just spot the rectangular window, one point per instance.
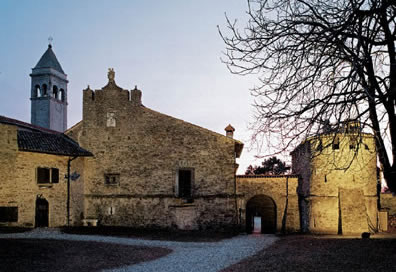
{"type": "Point", "coordinates": [47, 175]}
{"type": "Point", "coordinates": [185, 183]}
{"type": "Point", "coordinates": [8, 214]}
{"type": "Point", "coordinates": [112, 179]}
{"type": "Point", "coordinates": [43, 175]}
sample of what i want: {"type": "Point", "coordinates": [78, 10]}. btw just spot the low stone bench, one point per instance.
{"type": "Point", "coordinates": [90, 222]}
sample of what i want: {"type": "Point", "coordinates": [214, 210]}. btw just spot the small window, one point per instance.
{"type": "Point", "coordinates": [47, 175]}
{"type": "Point", "coordinates": [111, 211]}
{"type": "Point", "coordinates": [8, 214]}
{"type": "Point", "coordinates": [185, 183]}
{"type": "Point", "coordinates": [336, 143]}
{"type": "Point", "coordinates": [352, 143]}
{"type": "Point", "coordinates": [43, 175]}
{"type": "Point", "coordinates": [112, 179]}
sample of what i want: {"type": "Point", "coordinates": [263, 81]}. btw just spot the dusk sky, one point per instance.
{"type": "Point", "coordinates": [170, 49]}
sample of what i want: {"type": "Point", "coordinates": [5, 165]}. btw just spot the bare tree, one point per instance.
{"type": "Point", "coordinates": [319, 60]}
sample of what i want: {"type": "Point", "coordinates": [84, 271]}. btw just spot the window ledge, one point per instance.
{"type": "Point", "coordinates": [45, 185]}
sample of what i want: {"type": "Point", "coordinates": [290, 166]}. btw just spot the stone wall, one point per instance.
{"type": "Point", "coordinates": [329, 171]}
{"type": "Point", "coordinates": [145, 150]}
{"type": "Point", "coordinates": [388, 202]}
{"type": "Point", "coordinates": [281, 189]}
{"type": "Point", "coordinates": [19, 186]}
{"type": "Point", "coordinates": [301, 165]}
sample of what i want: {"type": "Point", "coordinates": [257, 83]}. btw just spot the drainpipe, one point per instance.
{"type": "Point", "coordinates": [235, 193]}
{"type": "Point", "coordinates": [68, 189]}
{"type": "Point", "coordinates": [284, 220]}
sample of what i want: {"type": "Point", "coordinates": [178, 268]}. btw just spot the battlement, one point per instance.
{"type": "Point", "coordinates": [113, 92]}
{"type": "Point", "coordinates": [94, 96]}
{"type": "Point", "coordinates": [111, 103]}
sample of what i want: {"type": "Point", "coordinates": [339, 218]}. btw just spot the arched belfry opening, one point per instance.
{"type": "Point", "coordinates": [261, 215]}
{"type": "Point", "coordinates": [44, 90]}
{"type": "Point", "coordinates": [55, 92]}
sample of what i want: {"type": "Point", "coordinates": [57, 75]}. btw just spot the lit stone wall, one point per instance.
{"type": "Point", "coordinates": [388, 202]}
{"type": "Point", "coordinates": [146, 149]}
{"type": "Point", "coordinates": [339, 186]}
{"type": "Point", "coordinates": [281, 189]}
{"type": "Point", "coordinates": [19, 186]}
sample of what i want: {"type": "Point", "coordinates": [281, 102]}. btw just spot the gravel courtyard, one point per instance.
{"type": "Point", "coordinates": [185, 256]}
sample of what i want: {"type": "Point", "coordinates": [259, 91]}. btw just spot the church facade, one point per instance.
{"type": "Point", "coordinates": [150, 169]}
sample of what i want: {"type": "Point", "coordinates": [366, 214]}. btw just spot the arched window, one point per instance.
{"type": "Point", "coordinates": [44, 90]}
{"type": "Point", "coordinates": [37, 91]}
{"type": "Point", "coordinates": [55, 92]}
{"type": "Point", "coordinates": [62, 95]}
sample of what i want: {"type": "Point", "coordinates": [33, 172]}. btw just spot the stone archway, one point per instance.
{"type": "Point", "coordinates": [264, 207]}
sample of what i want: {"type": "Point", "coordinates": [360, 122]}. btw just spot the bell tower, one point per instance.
{"type": "Point", "coordinates": [49, 93]}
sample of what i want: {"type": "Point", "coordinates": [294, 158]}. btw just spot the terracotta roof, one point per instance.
{"type": "Point", "coordinates": [37, 139]}
{"type": "Point", "coordinates": [49, 60]}
{"type": "Point", "coordinates": [58, 144]}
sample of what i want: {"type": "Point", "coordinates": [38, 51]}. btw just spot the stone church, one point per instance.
{"type": "Point", "coordinates": [125, 164]}
{"type": "Point", "coordinates": [150, 169]}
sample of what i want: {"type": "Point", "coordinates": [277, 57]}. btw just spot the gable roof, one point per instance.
{"type": "Point", "coordinates": [238, 145]}
{"type": "Point", "coordinates": [41, 140]}
{"type": "Point", "coordinates": [49, 60]}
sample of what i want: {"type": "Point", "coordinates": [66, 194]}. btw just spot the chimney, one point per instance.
{"type": "Point", "coordinates": [229, 131]}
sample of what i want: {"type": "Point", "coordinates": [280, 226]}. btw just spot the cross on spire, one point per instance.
{"type": "Point", "coordinates": [50, 39]}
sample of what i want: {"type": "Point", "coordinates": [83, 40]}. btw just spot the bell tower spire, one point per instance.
{"type": "Point", "coordinates": [49, 92]}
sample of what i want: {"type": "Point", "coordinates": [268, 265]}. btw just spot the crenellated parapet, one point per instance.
{"type": "Point", "coordinates": [112, 90]}
{"type": "Point", "coordinates": [106, 103]}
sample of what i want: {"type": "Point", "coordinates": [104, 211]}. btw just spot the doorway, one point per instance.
{"type": "Point", "coordinates": [42, 211]}
{"type": "Point", "coordinates": [261, 215]}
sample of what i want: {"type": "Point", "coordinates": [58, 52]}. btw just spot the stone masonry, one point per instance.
{"type": "Point", "coordinates": [283, 192]}
{"type": "Point", "coordinates": [19, 187]}
{"type": "Point", "coordinates": [338, 185]}
{"type": "Point", "coordinates": [144, 151]}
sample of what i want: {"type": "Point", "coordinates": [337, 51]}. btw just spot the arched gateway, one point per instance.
{"type": "Point", "coordinates": [261, 213]}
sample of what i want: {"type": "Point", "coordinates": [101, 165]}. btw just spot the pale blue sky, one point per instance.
{"type": "Point", "coordinates": [170, 49]}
